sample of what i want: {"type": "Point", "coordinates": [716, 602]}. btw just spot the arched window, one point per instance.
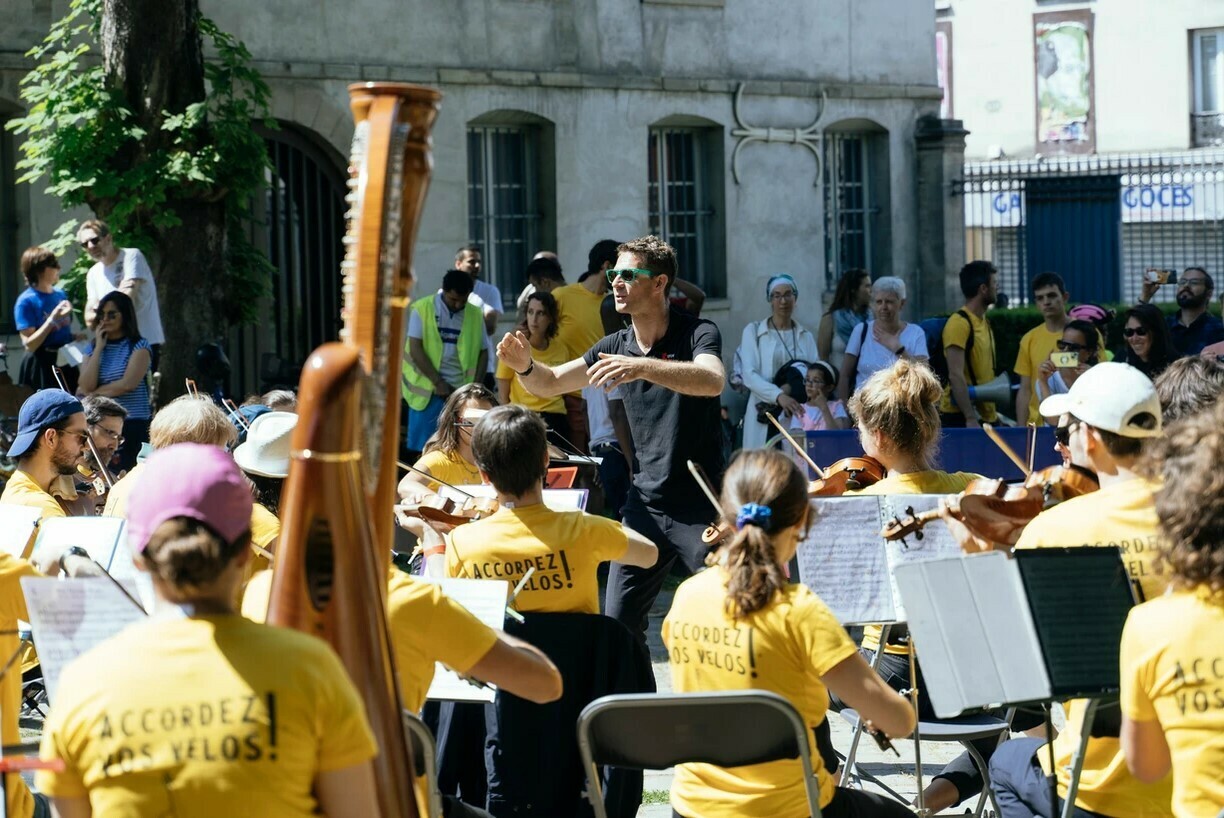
{"type": "Point", "coordinates": [298, 221]}
{"type": "Point", "coordinates": [511, 194]}
{"type": "Point", "coordinates": [685, 197]}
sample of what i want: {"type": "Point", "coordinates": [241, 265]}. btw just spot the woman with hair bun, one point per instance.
{"type": "Point", "coordinates": [898, 421]}
{"type": "Point", "coordinates": [1172, 654]}
{"type": "Point", "coordinates": [770, 635]}
{"type": "Point", "coordinates": [197, 710]}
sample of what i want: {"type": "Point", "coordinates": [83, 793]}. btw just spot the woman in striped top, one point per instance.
{"type": "Point", "coordinates": [116, 367]}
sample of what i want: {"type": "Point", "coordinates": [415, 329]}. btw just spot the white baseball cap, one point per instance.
{"type": "Point", "coordinates": [1109, 396]}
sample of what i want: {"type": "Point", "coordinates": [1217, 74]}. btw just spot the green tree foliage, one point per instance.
{"type": "Point", "coordinates": [83, 139]}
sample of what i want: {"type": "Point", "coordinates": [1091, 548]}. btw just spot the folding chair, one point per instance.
{"type": "Point", "coordinates": [424, 761]}
{"type": "Point", "coordinates": [728, 729]}
{"type": "Point", "coordinates": [965, 729]}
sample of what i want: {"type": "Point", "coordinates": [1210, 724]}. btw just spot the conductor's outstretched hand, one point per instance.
{"type": "Point", "coordinates": [515, 351]}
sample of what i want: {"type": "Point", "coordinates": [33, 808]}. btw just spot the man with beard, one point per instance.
{"type": "Point", "coordinates": [1192, 326]}
{"type": "Point", "coordinates": [979, 281]}
{"type": "Point", "coordinates": [51, 435]}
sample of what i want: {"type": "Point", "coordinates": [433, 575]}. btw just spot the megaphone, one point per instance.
{"type": "Point", "coordinates": [997, 391]}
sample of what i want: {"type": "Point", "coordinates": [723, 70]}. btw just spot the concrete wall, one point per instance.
{"type": "Point", "coordinates": [1141, 55]}
{"type": "Point", "coordinates": [602, 72]}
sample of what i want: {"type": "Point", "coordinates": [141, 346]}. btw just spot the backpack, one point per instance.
{"type": "Point", "coordinates": [933, 329]}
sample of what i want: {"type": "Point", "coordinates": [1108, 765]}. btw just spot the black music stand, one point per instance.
{"type": "Point", "coordinates": [1045, 626]}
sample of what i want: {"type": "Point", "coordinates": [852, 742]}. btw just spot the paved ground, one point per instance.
{"type": "Point", "coordinates": [897, 773]}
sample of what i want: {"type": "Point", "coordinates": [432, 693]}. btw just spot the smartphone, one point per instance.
{"type": "Point", "coordinates": [1065, 360]}
{"type": "Point", "coordinates": [1155, 276]}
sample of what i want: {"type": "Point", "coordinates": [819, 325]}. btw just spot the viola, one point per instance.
{"type": "Point", "coordinates": [435, 508]}
{"type": "Point", "coordinates": [1058, 483]}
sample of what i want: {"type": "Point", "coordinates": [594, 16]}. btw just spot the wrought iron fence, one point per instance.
{"type": "Point", "coordinates": [1099, 221]}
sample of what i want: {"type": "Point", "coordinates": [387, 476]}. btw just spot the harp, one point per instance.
{"type": "Point", "coordinates": [336, 514]}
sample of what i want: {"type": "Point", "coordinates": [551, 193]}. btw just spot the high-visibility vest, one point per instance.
{"type": "Point", "coordinates": [418, 389]}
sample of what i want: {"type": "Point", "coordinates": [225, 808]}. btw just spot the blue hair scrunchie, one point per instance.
{"type": "Point", "coordinates": [754, 514]}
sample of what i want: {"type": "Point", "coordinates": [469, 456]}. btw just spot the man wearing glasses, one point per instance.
{"type": "Point", "coordinates": [1192, 326]}
{"type": "Point", "coordinates": [667, 367]}
{"type": "Point", "coordinates": [81, 497]}
{"type": "Point", "coordinates": [50, 442]}
{"type": "Point", "coordinates": [124, 269]}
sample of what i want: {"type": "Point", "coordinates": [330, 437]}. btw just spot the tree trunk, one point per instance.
{"type": "Point", "coordinates": [153, 55]}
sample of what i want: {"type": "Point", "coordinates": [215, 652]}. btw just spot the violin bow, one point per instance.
{"type": "Point", "coordinates": [191, 388]}
{"type": "Point", "coordinates": [786, 436]}
{"type": "Point", "coordinates": [232, 408]}
{"type": "Point", "coordinates": [1032, 452]}
{"type": "Point", "coordinates": [434, 478]}
{"type": "Point", "coordinates": [700, 477]}
{"type": "Point", "coordinates": [110, 484]}
{"type": "Point", "coordinates": [1007, 450]}
{"type": "Point", "coordinates": [574, 451]}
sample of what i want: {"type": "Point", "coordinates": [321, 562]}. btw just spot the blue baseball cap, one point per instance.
{"type": "Point", "coordinates": [42, 410]}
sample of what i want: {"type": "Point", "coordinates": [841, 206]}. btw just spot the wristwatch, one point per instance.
{"type": "Point", "coordinates": [900, 351]}
{"type": "Point", "coordinates": [72, 551]}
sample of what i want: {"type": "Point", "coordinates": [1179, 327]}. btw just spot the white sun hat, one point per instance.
{"type": "Point", "coordinates": [266, 449]}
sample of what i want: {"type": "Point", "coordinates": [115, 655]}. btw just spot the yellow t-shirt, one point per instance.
{"type": "Point", "coordinates": [13, 607]}
{"type": "Point", "coordinates": [981, 360]}
{"type": "Point", "coordinates": [1172, 665]}
{"type": "Point", "coordinates": [785, 648]}
{"type": "Point", "coordinates": [932, 481]}
{"type": "Point", "coordinates": [1035, 348]}
{"type": "Point", "coordinates": [265, 526]}
{"type": "Point", "coordinates": [564, 547]}
{"type": "Point", "coordinates": [451, 468]}
{"type": "Point", "coordinates": [427, 627]}
{"type": "Point", "coordinates": [21, 490]}
{"type": "Point", "coordinates": [212, 715]}
{"type": "Point", "coordinates": [556, 353]}
{"type": "Point", "coordinates": [1122, 514]}
{"type": "Point", "coordinates": [117, 496]}
{"type": "Point", "coordinates": [581, 325]}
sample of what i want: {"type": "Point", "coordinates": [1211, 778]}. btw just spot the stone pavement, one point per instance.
{"type": "Point", "coordinates": [897, 773]}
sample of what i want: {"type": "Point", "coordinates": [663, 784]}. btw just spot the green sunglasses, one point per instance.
{"type": "Point", "coordinates": [627, 274]}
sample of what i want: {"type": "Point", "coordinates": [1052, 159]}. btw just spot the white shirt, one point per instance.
{"type": "Point", "coordinates": [874, 356]}
{"type": "Point", "coordinates": [490, 296]}
{"type": "Point", "coordinates": [105, 278]}
{"type": "Point", "coordinates": [599, 421]}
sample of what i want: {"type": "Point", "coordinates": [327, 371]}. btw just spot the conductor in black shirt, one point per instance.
{"type": "Point", "coordinates": [668, 367]}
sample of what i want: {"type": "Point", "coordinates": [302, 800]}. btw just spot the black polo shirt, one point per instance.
{"type": "Point", "coordinates": [669, 428]}
{"type": "Point", "coordinates": [1202, 332]}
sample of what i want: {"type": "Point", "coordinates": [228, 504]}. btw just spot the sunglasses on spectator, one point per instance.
{"type": "Point", "coordinates": [1067, 346]}
{"type": "Point", "coordinates": [87, 243]}
{"type": "Point", "coordinates": [628, 274]}
{"type": "Point", "coordinates": [1132, 331]}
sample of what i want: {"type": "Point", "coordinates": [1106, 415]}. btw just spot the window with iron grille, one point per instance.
{"type": "Point", "coordinates": [684, 182]}
{"type": "Point", "coordinates": [1207, 121]}
{"type": "Point", "coordinates": [848, 205]}
{"type": "Point", "coordinates": [504, 214]}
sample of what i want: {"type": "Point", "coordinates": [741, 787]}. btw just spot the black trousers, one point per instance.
{"type": "Point", "coordinates": [631, 590]}
{"type": "Point", "coordinates": [849, 803]}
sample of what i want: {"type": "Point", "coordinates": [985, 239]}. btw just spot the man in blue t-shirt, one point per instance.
{"type": "Point", "coordinates": [43, 316]}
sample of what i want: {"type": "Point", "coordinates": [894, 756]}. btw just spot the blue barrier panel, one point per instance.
{"type": "Point", "coordinates": [960, 450]}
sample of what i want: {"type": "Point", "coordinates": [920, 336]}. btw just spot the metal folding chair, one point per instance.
{"type": "Point", "coordinates": [727, 729]}
{"type": "Point", "coordinates": [425, 761]}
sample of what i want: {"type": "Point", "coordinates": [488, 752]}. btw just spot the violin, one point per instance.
{"type": "Point", "coordinates": [438, 509]}
{"type": "Point", "coordinates": [998, 511]}
{"type": "Point", "coordinates": [847, 474]}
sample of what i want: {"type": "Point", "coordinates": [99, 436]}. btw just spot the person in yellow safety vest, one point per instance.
{"type": "Point", "coordinates": [445, 350]}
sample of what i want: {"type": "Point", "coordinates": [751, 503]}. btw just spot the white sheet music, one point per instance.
{"type": "Point", "coordinates": [486, 600]}
{"type": "Point", "coordinates": [16, 525]}
{"type": "Point", "coordinates": [556, 499]}
{"type": "Point", "coordinates": [850, 566]}
{"type": "Point", "coordinates": [70, 617]}
{"type": "Point", "coordinates": [102, 537]}
{"type": "Point", "coordinates": [843, 560]}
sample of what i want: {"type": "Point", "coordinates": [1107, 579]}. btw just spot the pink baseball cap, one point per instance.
{"type": "Point", "coordinates": [202, 483]}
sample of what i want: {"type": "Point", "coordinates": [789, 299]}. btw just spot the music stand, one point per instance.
{"type": "Point", "coordinates": [1057, 614]}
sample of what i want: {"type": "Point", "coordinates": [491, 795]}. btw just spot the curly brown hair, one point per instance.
{"type": "Point", "coordinates": [1190, 503]}
{"type": "Point", "coordinates": [656, 255]}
